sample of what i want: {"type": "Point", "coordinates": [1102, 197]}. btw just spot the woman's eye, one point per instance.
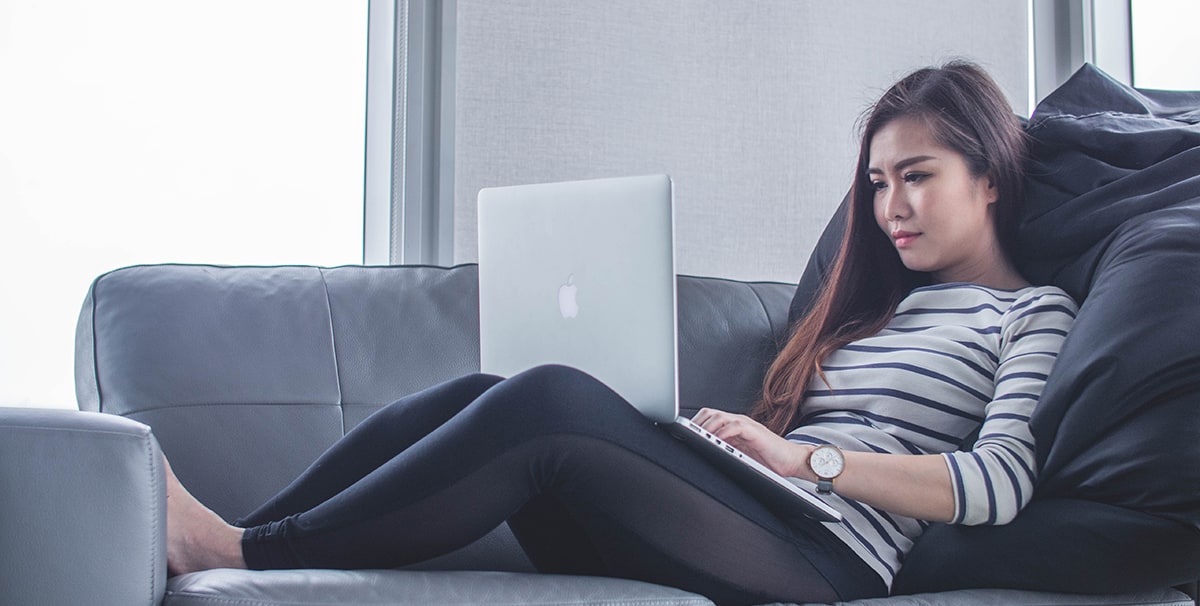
{"type": "Point", "coordinates": [915, 177]}
{"type": "Point", "coordinates": [878, 185]}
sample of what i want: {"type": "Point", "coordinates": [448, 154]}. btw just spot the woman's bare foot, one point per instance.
{"type": "Point", "coordinates": [197, 538]}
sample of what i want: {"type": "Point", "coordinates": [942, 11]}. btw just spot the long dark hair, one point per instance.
{"type": "Point", "coordinates": [965, 111]}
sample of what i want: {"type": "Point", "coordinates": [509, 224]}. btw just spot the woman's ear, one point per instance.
{"type": "Point", "coordinates": [993, 192]}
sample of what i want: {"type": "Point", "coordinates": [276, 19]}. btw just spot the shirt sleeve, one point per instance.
{"type": "Point", "coordinates": [994, 480]}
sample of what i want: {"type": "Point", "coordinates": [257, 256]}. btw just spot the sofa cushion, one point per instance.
{"type": "Point", "coordinates": [247, 374]}
{"type": "Point", "coordinates": [728, 332]}
{"type": "Point", "coordinates": [1051, 546]}
{"type": "Point", "coordinates": [1113, 217]}
{"type": "Point", "coordinates": [401, 588]}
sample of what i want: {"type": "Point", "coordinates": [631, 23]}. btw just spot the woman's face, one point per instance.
{"type": "Point", "coordinates": [935, 212]}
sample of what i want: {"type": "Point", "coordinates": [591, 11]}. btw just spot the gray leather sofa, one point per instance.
{"type": "Point", "coordinates": [244, 375]}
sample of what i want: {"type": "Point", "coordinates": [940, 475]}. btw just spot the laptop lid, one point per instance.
{"type": "Point", "coordinates": [582, 273]}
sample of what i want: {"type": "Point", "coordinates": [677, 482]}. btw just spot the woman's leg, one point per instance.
{"type": "Point", "coordinates": [555, 449]}
{"type": "Point", "coordinates": [635, 518]}
{"type": "Point", "coordinates": [376, 440]}
{"type": "Point", "coordinates": [199, 539]}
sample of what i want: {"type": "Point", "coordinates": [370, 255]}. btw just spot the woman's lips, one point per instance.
{"type": "Point", "coordinates": [904, 239]}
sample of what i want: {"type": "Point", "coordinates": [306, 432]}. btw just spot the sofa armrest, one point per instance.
{"type": "Point", "coordinates": [82, 509]}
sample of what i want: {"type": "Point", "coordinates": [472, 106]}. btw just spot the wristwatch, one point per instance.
{"type": "Point", "coordinates": [828, 463]}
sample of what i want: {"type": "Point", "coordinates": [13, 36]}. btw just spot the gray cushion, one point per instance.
{"type": "Point", "coordinates": [728, 332]}
{"type": "Point", "coordinates": [403, 588]}
{"type": "Point", "coordinates": [247, 374]}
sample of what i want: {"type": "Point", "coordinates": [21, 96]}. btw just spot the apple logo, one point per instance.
{"type": "Point", "coordinates": [567, 305]}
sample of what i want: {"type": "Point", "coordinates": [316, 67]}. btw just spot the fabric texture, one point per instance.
{"type": "Point", "coordinates": [1112, 217]}
{"type": "Point", "coordinates": [953, 357]}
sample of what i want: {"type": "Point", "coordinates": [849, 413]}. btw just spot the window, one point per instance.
{"type": "Point", "coordinates": [140, 131]}
{"type": "Point", "coordinates": [1164, 54]}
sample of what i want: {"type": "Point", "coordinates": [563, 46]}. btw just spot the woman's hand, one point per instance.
{"type": "Point", "coordinates": [784, 457]}
{"type": "Point", "coordinates": [916, 486]}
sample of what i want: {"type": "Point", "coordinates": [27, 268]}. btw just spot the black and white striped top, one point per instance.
{"type": "Point", "coordinates": [955, 356]}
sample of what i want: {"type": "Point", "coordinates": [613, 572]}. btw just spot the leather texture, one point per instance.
{"type": "Point", "coordinates": [407, 588]}
{"type": "Point", "coordinates": [728, 332]}
{"type": "Point", "coordinates": [246, 374]}
{"type": "Point", "coordinates": [82, 509]}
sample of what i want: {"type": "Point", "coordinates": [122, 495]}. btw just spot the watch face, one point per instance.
{"type": "Point", "coordinates": [827, 462]}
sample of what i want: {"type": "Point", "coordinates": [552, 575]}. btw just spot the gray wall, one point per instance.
{"type": "Point", "coordinates": [749, 106]}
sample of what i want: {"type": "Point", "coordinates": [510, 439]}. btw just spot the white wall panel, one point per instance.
{"type": "Point", "coordinates": [750, 106]}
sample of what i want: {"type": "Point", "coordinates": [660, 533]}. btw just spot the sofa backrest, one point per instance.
{"type": "Point", "coordinates": [246, 374]}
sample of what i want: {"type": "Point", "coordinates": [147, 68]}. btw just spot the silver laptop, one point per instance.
{"type": "Point", "coordinates": [582, 274]}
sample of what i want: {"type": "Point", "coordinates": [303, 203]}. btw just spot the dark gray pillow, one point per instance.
{"type": "Point", "coordinates": [1113, 217]}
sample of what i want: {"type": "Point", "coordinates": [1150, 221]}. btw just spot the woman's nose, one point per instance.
{"type": "Point", "coordinates": [895, 204]}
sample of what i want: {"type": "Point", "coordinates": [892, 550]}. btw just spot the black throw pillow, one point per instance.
{"type": "Point", "coordinates": [1112, 216]}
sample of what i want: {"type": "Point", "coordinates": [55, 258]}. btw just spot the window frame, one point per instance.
{"type": "Point", "coordinates": [409, 175]}
{"type": "Point", "coordinates": [1068, 33]}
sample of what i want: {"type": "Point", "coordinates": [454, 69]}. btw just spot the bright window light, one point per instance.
{"type": "Point", "coordinates": [1164, 54]}
{"type": "Point", "coordinates": [142, 131]}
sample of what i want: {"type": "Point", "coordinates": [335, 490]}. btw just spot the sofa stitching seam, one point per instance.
{"type": "Point", "coordinates": [95, 348]}
{"type": "Point", "coordinates": [1041, 121]}
{"type": "Point", "coordinates": [178, 406]}
{"type": "Point", "coordinates": [337, 367]}
{"type": "Point", "coordinates": [685, 601]}
{"type": "Point", "coordinates": [766, 313]}
{"type": "Point", "coordinates": [147, 440]}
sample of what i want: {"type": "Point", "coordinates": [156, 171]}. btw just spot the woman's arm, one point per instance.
{"type": "Point", "coordinates": [987, 485]}
{"type": "Point", "coordinates": [995, 479]}
{"type": "Point", "coordinates": [917, 486]}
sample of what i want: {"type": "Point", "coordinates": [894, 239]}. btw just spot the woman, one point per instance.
{"type": "Point", "coordinates": [923, 334]}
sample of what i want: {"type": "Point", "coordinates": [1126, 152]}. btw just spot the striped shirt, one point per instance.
{"type": "Point", "coordinates": [955, 358]}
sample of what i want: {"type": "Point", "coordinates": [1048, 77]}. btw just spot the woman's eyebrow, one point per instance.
{"type": "Point", "coordinates": [901, 165]}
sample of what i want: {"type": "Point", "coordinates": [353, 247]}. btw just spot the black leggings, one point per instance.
{"type": "Point", "coordinates": [587, 484]}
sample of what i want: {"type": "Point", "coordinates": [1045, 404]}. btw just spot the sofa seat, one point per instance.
{"type": "Point", "coordinates": [419, 588]}
{"type": "Point", "coordinates": [413, 588]}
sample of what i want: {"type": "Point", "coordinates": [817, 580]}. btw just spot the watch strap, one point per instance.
{"type": "Point", "coordinates": [825, 485]}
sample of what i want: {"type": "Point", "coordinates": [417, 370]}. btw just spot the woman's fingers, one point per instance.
{"type": "Point", "coordinates": [724, 425]}
{"type": "Point", "coordinates": [750, 437]}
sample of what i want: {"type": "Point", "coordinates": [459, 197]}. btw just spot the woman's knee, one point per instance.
{"type": "Point", "coordinates": [559, 380]}
{"type": "Point", "coordinates": [449, 396]}
{"type": "Point", "coordinates": [555, 389]}
{"type": "Point", "coordinates": [476, 383]}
